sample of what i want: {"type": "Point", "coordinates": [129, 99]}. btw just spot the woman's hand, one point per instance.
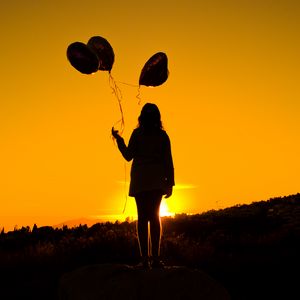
{"type": "Point", "coordinates": [169, 192]}
{"type": "Point", "coordinates": [115, 133]}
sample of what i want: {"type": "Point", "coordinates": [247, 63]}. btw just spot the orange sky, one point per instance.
{"type": "Point", "coordinates": [231, 104]}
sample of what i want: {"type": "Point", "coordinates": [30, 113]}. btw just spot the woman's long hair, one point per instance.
{"type": "Point", "coordinates": [149, 118]}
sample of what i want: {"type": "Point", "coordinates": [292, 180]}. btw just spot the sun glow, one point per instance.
{"type": "Point", "coordinates": [164, 210]}
{"type": "Point", "coordinates": [176, 204]}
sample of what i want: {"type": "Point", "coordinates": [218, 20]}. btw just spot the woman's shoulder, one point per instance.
{"type": "Point", "coordinates": [136, 131]}
{"type": "Point", "coordinates": [141, 132]}
{"type": "Point", "coordinates": [164, 133]}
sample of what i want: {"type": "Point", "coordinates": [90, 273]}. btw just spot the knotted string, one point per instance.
{"type": "Point", "coordinates": [116, 91]}
{"type": "Point", "coordinates": [118, 94]}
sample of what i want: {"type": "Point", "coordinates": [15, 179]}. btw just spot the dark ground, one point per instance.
{"type": "Point", "coordinates": [252, 250]}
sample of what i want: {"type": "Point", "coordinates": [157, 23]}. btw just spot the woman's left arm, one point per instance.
{"type": "Point", "coordinates": [127, 152]}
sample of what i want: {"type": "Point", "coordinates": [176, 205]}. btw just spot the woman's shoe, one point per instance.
{"type": "Point", "coordinates": [144, 264]}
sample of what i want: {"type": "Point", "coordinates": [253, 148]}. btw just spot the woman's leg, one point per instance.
{"type": "Point", "coordinates": [155, 224]}
{"type": "Point", "coordinates": [142, 225]}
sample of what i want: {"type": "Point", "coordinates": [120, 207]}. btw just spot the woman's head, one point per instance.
{"type": "Point", "coordinates": [150, 117]}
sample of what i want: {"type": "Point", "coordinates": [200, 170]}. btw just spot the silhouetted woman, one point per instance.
{"type": "Point", "coordinates": [152, 176]}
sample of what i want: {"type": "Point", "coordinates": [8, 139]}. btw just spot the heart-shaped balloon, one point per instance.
{"type": "Point", "coordinates": [155, 71]}
{"type": "Point", "coordinates": [82, 58]}
{"type": "Point", "coordinates": [104, 52]}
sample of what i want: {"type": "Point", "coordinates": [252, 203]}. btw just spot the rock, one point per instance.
{"type": "Point", "coordinates": [110, 281]}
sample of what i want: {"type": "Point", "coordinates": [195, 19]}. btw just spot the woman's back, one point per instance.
{"type": "Point", "coordinates": [149, 146]}
{"type": "Point", "coordinates": [152, 167]}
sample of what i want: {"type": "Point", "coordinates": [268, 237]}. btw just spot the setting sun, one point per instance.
{"type": "Point", "coordinates": [131, 213]}
{"type": "Point", "coordinates": [164, 209]}
{"type": "Point", "coordinates": [177, 203]}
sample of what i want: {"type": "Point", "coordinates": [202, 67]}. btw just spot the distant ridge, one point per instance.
{"type": "Point", "coordinates": [275, 205]}
{"type": "Point", "coordinates": [81, 221]}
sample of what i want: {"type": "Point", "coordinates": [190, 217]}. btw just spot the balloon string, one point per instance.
{"type": "Point", "coordinates": [125, 188]}
{"type": "Point", "coordinates": [118, 94]}
{"type": "Point", "coordinates": [129, 84]}
{"type": "Point", "coordinates": [138, 96]}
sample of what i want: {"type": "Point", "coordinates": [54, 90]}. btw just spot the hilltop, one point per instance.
{"type": "Point", "coordinates": [251, 249]}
